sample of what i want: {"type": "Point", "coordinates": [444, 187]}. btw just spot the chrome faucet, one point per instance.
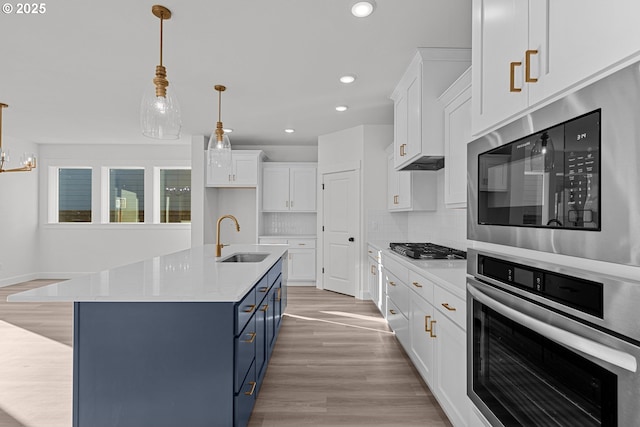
{"type": "Point", "coordinates": [219, 246]}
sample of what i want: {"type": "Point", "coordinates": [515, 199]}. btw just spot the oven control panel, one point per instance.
{"type": "Point", "coordinates": [584, 295]}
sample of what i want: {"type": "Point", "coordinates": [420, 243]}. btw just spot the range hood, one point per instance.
{"type": "Point", "coordinates": [425, 163]}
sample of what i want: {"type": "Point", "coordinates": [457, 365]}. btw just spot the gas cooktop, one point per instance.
{"type": "Point", "coordinates": [427, 251]}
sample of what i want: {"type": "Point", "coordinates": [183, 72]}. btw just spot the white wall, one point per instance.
{"type": "Point", "coordinates": [18, 217]}
{"type": "Point", "coordinates": [285, 153]}
{"type": "Point", "coordinates": [66, 250]}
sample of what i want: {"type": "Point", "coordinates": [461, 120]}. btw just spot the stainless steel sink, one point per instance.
{"type": "Point", "coordinates": [245, 257]}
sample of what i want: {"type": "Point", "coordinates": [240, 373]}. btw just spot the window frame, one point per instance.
{"type": "Point", "coordinates": [157, 214]}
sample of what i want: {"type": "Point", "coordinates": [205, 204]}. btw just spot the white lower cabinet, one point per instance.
{"type": "Point", "coordinates": [430, 323]}
{"type": "Point", "coordinates": [301, 258]}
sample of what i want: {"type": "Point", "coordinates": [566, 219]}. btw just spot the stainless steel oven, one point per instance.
{"type": "Point", "coordinates": [550, 345]}
{"type": "Point", "coordinates": [564, 179]}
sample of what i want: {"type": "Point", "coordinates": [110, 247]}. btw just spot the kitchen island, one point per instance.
{"type": "Point", "coordinates": [177, 340]}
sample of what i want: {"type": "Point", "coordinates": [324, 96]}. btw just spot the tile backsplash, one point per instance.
{"type": "Point", "coordinates": [443, 226]}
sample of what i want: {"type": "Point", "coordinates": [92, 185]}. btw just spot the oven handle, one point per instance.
{"type": "Point", "coordinates": [562, 337]}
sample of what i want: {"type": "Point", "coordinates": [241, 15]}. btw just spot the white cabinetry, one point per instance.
{"type": "Point", "coordinates": [526, 52]}
{"type": "Point", "coordinates": [301, 258]}
{"type": "Point", "coordinates": [417, 113]}
{"type": "Point", "coordinates": [376, 282]}
{"type": "Point", "coordinates": [431, 324]}
{"type": "Point", "coordinates": [410, 190]}
{"type": "Point", "coordinates": [457, 133]}
{"type": "Point", "coordinates": [289, 187]}
{"type": "Point", "coordinates": [243, 172]}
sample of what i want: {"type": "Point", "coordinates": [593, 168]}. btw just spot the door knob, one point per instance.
{"type": "Point", "coordinates": [351, 239]}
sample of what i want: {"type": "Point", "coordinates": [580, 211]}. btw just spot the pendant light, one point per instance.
{"type": "Point", "coordinates": [28, 161]}
{"type": "Point", "coordinates": [160, 111]}
{"type": "Point", "coordinates": [219, 148]}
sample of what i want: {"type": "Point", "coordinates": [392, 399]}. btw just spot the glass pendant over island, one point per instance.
{"type": "Point", "coordinates": [219, 147]}
{"type": "Point", "coordinates": [160, 111]}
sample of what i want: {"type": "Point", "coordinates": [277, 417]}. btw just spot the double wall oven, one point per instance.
{"type": "Point", "coordinates": [551, 343]}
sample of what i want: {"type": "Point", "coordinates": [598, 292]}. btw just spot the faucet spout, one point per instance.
{"type": "Point", "coordinates": [219, 245]}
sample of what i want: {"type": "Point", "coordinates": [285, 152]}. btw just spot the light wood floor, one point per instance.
{"type": "Point", "coordinates": [335, 364]}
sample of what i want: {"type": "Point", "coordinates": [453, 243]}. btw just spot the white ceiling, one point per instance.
{"type": "Point", "coordinates": [76, 73]}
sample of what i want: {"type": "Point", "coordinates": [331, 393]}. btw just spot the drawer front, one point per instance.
{"type": "Point", "coordinates": [421, 286]}
{"type": "Point", "coordinates": [373, 253]}
{"type": "Point", "coordinates": [398, 292]}
{"type": "Point", "coordinates": [262, 289]}
{"type": "Point", "coordinates": [245, 309]}
{"type": "Point", "coordinates": [245, 352]}
{"type": "Point", "coordinates": [302, 243]}
{"type": "Point", "coordinates": [272, 241]}
{"type": "Point", "coordinates": [245, 399]}
{"type": "Point", "coordinates": [398, 322]}
{"type": "Point", "coordinates": [397, 269]}
{"type": "Point", "coordinates": [451, 306]}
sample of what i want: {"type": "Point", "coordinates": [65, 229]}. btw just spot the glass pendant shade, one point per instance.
{"type": "Point", "coordinates": [219, 152]}
{"type": "Point", "coordinates": [543, 154]}
{"type": "Point", "coordinates": [160, 115]}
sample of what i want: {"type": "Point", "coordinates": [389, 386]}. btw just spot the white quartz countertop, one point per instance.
{"type": "Point", "coordinates": [191, 275]}
{"type": "Point", "coordinates": [450, 274]}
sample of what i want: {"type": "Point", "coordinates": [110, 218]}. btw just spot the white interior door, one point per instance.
{"type": "Point", "coordinates": [340, 214]}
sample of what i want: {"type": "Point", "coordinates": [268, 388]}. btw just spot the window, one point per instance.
{"type": "Point", "coordinates": [126, 195]}
{"type": "Point", "coordinates": [175, 195]}
{"type": "Point", "coordinates": [74, 195]}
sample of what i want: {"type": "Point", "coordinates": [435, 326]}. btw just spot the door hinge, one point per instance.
{"type": "Point", "coordinates": [323, 186]}
{"type": "Point", "coordinates": [323, 228]}
{"type": "Point", "coordinates": [322, 270]}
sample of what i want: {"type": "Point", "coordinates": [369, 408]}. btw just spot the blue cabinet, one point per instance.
{"type": "Point", "coordinates": [167, 364]}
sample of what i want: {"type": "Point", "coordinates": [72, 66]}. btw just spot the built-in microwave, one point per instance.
{"type": "Point", "coordinates": [564, 179]}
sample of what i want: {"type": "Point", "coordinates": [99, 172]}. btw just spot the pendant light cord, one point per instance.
{"type": "Point", "coordinates": [161, 26]}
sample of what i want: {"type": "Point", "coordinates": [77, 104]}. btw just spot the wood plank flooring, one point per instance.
{"type": "Point", "coordinates": [335, 364]}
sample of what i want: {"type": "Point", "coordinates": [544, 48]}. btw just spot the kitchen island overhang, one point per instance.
{"type": "Point", "coordinates": [182, 339]}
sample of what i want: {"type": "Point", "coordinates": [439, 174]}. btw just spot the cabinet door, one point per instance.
{"type": "Point", "coordinates": [275, 189]}
{"type": "Point", "coordinates": [404, 190]}
{"type": "Point", "coordinates": [582, 44]}
{"type": "Point", "coordinates": [457, 134]}
{"type": "Point", "coordinates": [218, 176]}
{"type": "Point", "coordinates": [500, 30]}
{"type": "Point", "coordinates": [302, 185]}
{"type": "Point", "coordinates": [400, 129]}
{"type": "Point", "coordinates": [422, 328]}
{"type": "Point", "coordinates": [451, 375]}
{"type": "Point", "coordinates": [302, 264]}
{"type": "Point", "coordinates": [414, 116]}
{"type": "Point", "coordinates": [245, 170]}
{"type": "Point", "coordinates": [392, 185]}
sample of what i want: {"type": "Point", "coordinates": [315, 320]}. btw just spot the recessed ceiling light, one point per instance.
{"type": "Point", "coordinates": [342, 108]}
{"type": "Point", "coordinates": [289, 130]}
{"type": "Point", "coordinates": [362, 9]}
{"type": "Point", "coordinates": [227, 130]}
{"type": "Point", "coordinates": [348, 78]}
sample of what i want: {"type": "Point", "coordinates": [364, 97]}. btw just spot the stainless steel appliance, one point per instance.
{"type": "Point", "coordinates": [550, 345]}
{"type": "Point", "coordinates": [564, 179]}
{"type": "Point", "coordinates": [427, 251]}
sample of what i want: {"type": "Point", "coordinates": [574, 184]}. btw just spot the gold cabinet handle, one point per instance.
{"type": "Point", "coordinates": [370, 252]}
{"type": "Point", "coordinates": [373, 270]}
{"type": "Point", "coordinates": [253, 337]}
{"type": "Point", "coordinates": [265, 308]}
{"type": "Point", "coordinates": [448, 307]}
{"type": "Point", "coordinates": [278, 298]}
{"type": "Point", "coordinates": [250, 309]}
{"type": "Point", "coordinates": [512, 77]}
{"type": "Point", "coordinates": [253, 388]}
{"type": "Point", "coordinates": [401, 150]}
{"type": "Point", "coordinates": [417, 285]}
{"type": "Point", "coordinates": [428, 326]}
{"type": "Point", "coordinates": [392, 283]}
{"type": "Point", "coordinates": [527, 66]}
{"type": "Point", "coordinates": [264, 289]}
{"type": "Point", "coordinates": [392, 311]}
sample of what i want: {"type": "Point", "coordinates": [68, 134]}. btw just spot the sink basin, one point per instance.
{"type": "Point", "coordinates": [245, 257]}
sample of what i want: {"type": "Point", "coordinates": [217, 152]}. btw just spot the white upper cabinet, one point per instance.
{"type": "Point", "coordinates": [289, 187]}
{"type": "Point", "coordinates": [417, 113]}
{"type": "Point", "coordinates": [527, 53]}
{"type": "Point", "coordinates": [410, 190]}
{"type": "Point", "coordinates": [457, 133]}
{"type": "Point", "coordinates": [243, 172]}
